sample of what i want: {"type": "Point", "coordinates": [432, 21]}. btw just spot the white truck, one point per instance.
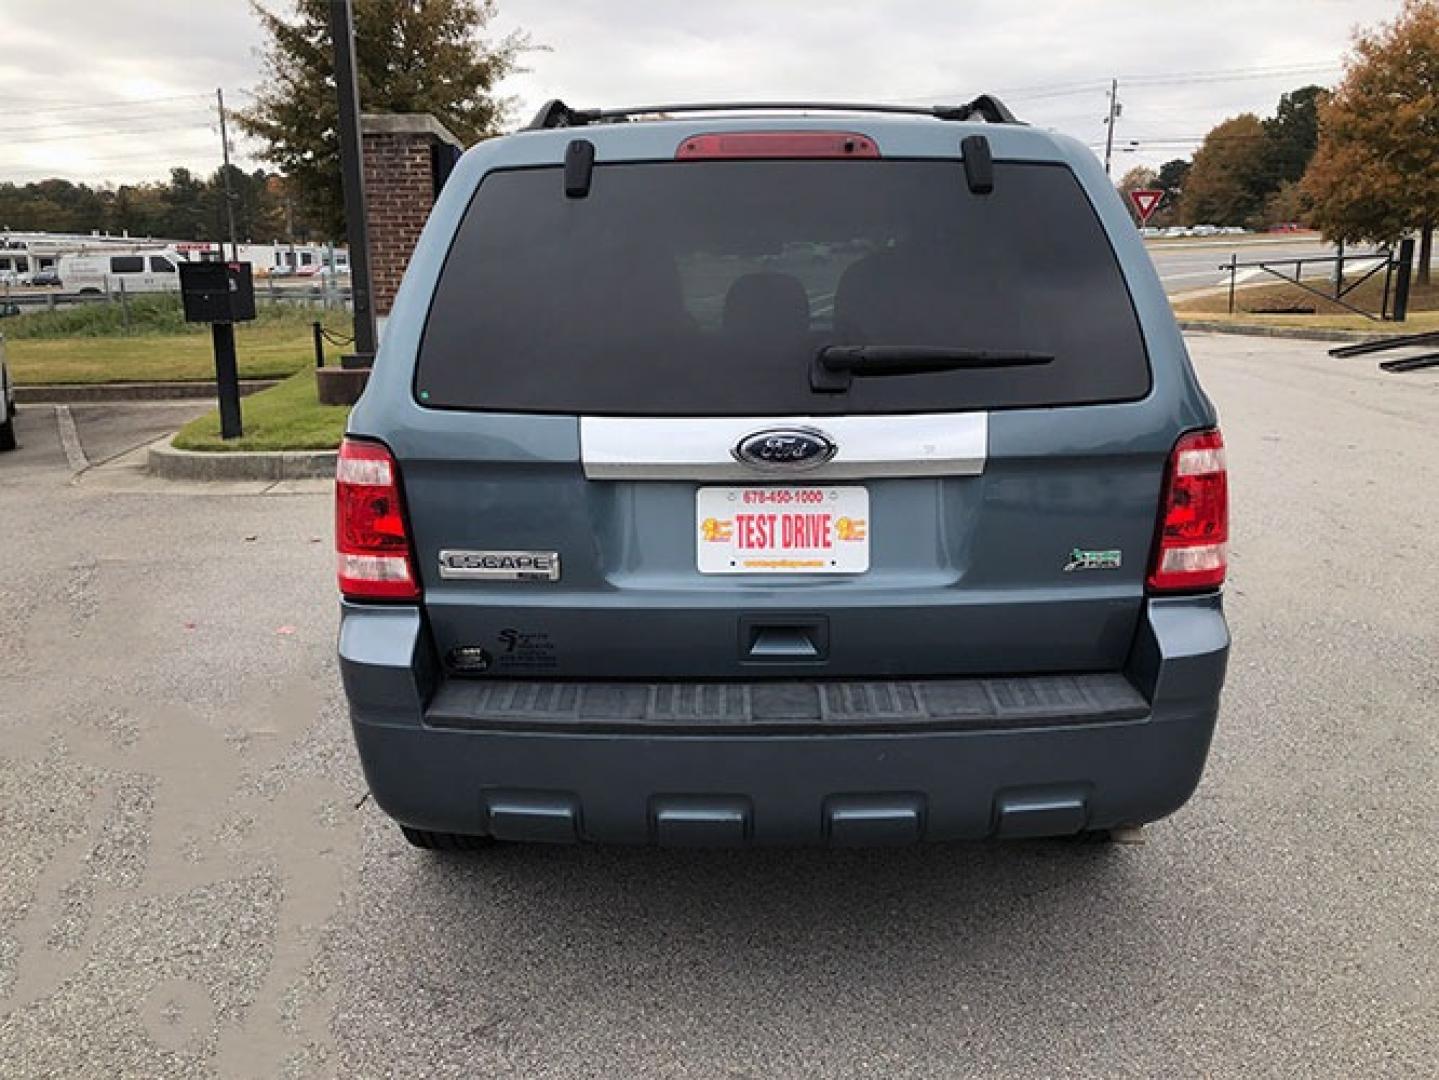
{"type": "Point", "coordinates": [141, 271]}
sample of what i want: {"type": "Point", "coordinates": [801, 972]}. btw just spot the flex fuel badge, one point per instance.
{"type": "Point", "coordinates": [1080, 559]}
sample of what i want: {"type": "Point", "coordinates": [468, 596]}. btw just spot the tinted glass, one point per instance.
{"type": "Point", "coordinates": [127, 264]}
{"type": "Point", "coordinates": [161, 265]}
{"type": "Point", "coordinates": [707, 288]}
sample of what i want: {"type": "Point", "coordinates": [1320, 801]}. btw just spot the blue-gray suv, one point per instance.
{"type": "Point", "coordinates": [780, 474]}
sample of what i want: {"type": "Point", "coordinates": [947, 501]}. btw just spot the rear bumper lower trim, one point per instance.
{"type": "Point", "coordinates": [736, 790]}
{"type": "Point", "coordinates": [760, 763]}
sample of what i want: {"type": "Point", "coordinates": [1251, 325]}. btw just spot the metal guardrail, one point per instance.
{"type": "Point", "coordinates": [1395, 266]}
{"type": "Point", "coordinates": [54, 300]}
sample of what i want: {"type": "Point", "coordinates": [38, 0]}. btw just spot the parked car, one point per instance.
{"type": "Point", "coordinates": [49, 278]}
{"type": "Point", "coordinates": [768, 478]}
{"type": "Point", "coordinates": [7, 403]}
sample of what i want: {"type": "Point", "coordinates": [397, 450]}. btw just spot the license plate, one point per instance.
{"type": "Point", "coordinates": [782, 530]}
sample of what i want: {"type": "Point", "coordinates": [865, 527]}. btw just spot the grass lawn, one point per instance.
{"type": "Point", "coordinates": [1285, 304]}
{"type": "Point", "coordinates": [284, 417]}
{"type": "Point", "coordinates": [82, 345]}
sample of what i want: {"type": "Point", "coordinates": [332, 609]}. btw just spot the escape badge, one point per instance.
{"type": "Point", "coordinates": [1079, 559]}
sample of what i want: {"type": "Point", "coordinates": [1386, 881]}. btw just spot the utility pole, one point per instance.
{"type": "Point", "coordinates": [1109, 123]}
{"type": "Point", "coordinates": [229, 198]}
{"type": "Point", "coordinates": [352, 176]}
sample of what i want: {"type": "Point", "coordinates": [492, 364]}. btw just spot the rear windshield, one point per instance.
{"type": "Point", "coordinates": [707, 289]}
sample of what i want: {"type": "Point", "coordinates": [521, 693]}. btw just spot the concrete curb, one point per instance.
{"type": "Point", "coordinates": [99, 393]}
{"type": "Point", "coordinates": [1296, 332]}
{"type": "Point", "coordinates": [165, 461]}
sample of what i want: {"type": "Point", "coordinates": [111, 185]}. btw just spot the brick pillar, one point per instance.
{"type": "Point", "coordinates": [406, 156]}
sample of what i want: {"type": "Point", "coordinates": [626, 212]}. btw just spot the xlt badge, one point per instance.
{"type": "Point", "coordinates": [500, 565]}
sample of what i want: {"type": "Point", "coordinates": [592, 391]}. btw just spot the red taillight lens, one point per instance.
{"type": "Point", "coordinates": [1193, 551]}
{"type": "Point", "coordinates": [778, 144]}
{"type": "Point", "coordinates": [371, 541]}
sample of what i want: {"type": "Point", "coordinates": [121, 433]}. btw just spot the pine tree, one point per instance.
{"type": "Point", "coordinates": [410, 56]}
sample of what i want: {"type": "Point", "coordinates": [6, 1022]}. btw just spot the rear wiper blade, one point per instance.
{"type": "Point", "coordinates": [835, 366]}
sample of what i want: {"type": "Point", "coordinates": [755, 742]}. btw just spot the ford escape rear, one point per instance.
{"type": "Point", "coordinates": [762, 477]}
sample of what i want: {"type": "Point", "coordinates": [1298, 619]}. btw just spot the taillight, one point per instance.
{"type": "Point", "coordinates": [371, 541]}
{"type": "Point", "coordinates": [1194, 529]}
{"type": "Point", "coordinates": [778, 144]}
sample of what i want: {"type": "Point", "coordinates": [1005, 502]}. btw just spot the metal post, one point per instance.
{"type": "Point", "coordinates": [1401, 279]}
{"type": "Point", "coordinates": [229, 197]}
{"type": "Point", "coordinates": [1109, 123]}
{"type": "Point", "coordinates": [227, 379]}
{"type": "Point", "coordinates": [1233, 270]}
{"type": "Point", "coordinates": [1339, 269]}
{"type": "Point", "coordinates": [1388, 278]}
{"type": "Point", "coordinates": [319, 333]}
{"type": "Point", "coordinates": [352, 175]}
{"type": "Point", "coordinates": [124, 308]}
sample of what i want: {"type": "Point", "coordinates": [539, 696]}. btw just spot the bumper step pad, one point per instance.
{"type": "Point", "coordinates": [785, 707]}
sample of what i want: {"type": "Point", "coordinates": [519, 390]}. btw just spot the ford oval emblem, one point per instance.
{"type": "Point", "coordinates": [785, 448]}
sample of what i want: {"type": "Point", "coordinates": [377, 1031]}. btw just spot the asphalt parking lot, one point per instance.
{"type": "Point", "coordinates": [194, 883]}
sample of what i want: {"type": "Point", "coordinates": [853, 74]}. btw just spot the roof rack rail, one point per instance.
{"type": "Point", "coordinates": [556, 114]}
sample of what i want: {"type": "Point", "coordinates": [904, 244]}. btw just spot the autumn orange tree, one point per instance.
{"type": "Point", "coordinates": [1375, 175]}
{"type": "Point", "coordinates": [1228, 181]}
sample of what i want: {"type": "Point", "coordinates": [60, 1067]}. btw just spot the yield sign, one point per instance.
{"type": "Point", "coordinates": [1146, 201]}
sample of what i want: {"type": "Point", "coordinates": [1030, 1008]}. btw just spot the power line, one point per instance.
{"type": "Point", "coordinates": [1180, 78]}
{"type": "Point", "coordinates": [113, 132]}
{"type": "Point", "coordinates": [1270, 72]}
{"type": "Point", "coordinates": [124, 103]}
{"type": "Point", "coordinates": [97, 125]}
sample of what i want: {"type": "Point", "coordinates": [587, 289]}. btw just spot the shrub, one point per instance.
{"type": "Point", "coordinates": [149, 314]}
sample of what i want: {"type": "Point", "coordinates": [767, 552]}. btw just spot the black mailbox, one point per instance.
{"type": "Point", "coordinates": [217, 292]}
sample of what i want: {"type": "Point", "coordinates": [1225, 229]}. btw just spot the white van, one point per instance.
{"type": "Point", "coordinates": [106, 272]}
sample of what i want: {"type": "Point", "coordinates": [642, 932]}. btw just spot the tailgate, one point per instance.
{"type": "Point", "coordinates": [1031, 562]}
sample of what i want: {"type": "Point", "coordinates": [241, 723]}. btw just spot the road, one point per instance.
{"type": "Point", "coordinates": [1194, 264]}
{"type": "Point", "coordinates": [194, 883]}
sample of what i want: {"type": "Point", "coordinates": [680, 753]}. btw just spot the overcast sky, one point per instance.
{"type": "Point", "coordinates": [120, 90]}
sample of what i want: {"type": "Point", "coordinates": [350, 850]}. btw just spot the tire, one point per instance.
{"type": "Point", "coordinates": [441, 841]}
{"type": "Point", "coordinates": [7, 432]}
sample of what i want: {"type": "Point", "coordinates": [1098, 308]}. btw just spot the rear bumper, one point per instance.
{"type": "Point", "coordinates": [743, 784]}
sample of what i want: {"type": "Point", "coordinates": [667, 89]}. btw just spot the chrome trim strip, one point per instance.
{"type": "Point", "coordinates": [701, 448]}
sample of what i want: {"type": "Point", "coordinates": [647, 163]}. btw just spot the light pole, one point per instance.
{"type": "Point", "coordinates": [229, 196]}
{"type": "Point", "coordinates": [352, 178]}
